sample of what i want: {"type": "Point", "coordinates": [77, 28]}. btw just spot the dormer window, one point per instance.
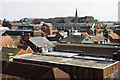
{"type": "Point", "coordinates": [86, 39]}
{"type": "Point", "coordinates": [13, 46]}
{"type": "Point", "coordinates": [7, 45]}
{"type": "Point", "coordinates": [46, 47]}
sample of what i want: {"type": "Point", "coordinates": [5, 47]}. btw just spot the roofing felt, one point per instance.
{"type": "Point", "coordinates": [76, 55]}
{"type": "Point", "coordinates": [40, 41]}
{"type": "Point", "coordinates": [68, 61]}
{"type": "Point", "coordinates": [73, 38]}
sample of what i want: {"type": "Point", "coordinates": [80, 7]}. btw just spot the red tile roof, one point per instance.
{"type": "Point", "coordinates": [6, 41]}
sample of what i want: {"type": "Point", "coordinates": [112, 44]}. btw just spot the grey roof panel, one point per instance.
{"type": "Point", "coordinates": [74, 38]}
{"type": "Point", "coordinates": [40, 41]}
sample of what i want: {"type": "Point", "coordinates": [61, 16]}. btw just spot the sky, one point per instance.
{"type": "Point", "coordinates": [103, 10]}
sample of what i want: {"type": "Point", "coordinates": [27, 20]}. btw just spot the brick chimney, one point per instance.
{"type": "Point", "coordinates": [10, 57]}
{"type": "Point", "coordinates": [27, 36]}
{"type": "Point", "coordinates": [22, 37]}
{"type": "Point", "coordinates": [116, 56]}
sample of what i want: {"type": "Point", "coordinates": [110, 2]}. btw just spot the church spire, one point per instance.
{"type": "Point", "coordinates": [76, 16]}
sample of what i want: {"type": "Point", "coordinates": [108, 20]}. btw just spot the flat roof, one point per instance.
{"type": "Point", "coordinates": [99, 64]}
{"type": "Point", "coordinates": [78, 55]}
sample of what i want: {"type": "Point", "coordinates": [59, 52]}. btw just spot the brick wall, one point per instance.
{"type": "Point", "coordinates": [111, 70]}
{"type": "Point", "coordinates": [78, 71]}
{"type": "Point", "coordinates": [119, 72]}
{"type": "Point", "coordinates": [91, 50]}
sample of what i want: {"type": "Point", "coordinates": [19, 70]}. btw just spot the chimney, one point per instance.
{"type": "Point", "coordinates": [95, 41]}
{"type": "Point", "coordinates": [42, 34]}
{"type": "Point", "coordinates": [27, 36]}
{"type": "Point", "coordinates": [10, 57]}
{"type": "Point", "coordinates": [68, 32]}
{"type": "Point", "coordinates": [22, 36]}
{"type": "Point", "coordinates": [116, 56]}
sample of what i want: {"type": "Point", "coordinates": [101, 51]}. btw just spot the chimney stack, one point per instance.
{"type": "Point", "coordinates": [119, 55]}
{"type": "Point", "coordinates": [68, 32]}
{"type": "Point", "coordinates": [10, 57]}
{"type": "Point", "coordinates": [27, 36]}
{"type": "Point", "coordinates": [42, 34]}
{"type": "Point", "coordinates": [22, 37]}
{"type": "Point", "coordinates": [116, 56]}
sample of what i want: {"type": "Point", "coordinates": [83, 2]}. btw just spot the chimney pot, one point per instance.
{"type": "Point", "coordinates": [10, 57]}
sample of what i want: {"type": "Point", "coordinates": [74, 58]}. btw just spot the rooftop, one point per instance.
{"type": "Point", "coordinates": [114, 36]}
{"type": "Point", "coordinates": [92, 45]}
{"type": "Point", "coordinates": [83, 62]}
{"type": "Point", "coordinates": [7, 41]}
{"type": "Point", "coordinates": [40, 41]}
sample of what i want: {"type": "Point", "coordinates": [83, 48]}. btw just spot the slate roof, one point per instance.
{"type": "Point", "coordinates": [40, 41]}
{"type": "Point", "coordinates": [74, 38]}
{"type": "Point", "coordinates": [3, 29]}
{"type": "Point", "coordinates": [49, 24]}
{"type": "Point", "coordinates": [71, 24]}
{"type": "Point", "coordinates": [4, 52]}
{"type": "Point", "coordinates": [63, 34]}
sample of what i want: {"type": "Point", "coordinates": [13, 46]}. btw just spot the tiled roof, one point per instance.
{"type": "Point", "coordinates": [97, 38]}
{"type": "Point", "coordinates": [7, 41]}
{"type": "Point", "coordinates": [114, 36]}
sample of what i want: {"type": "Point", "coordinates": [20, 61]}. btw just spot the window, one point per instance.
{"type": "Point", "coordinates": [46, 47]}
{"type": "Point", "coordinates": [7, 45]}
{"type": "Point", "coordinates": [86, 39]}
{"type": "Point", "coordinates": [116, 75]}
{"type": "Point", "coordinates": [13, 46]}
{"type": "Point", "coordinates": [108, 78]}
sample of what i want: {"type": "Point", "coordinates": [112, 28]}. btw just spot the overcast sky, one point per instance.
{"type": "Point", "coordinates": [103, 10]}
